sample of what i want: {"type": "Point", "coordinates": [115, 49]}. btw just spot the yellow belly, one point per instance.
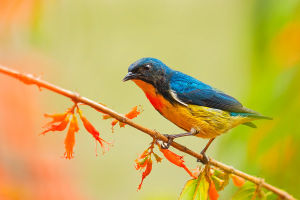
{"type": "Point", "coordinates": [207, 121]}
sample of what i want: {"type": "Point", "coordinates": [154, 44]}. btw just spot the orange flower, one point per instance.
{"type": "Point", "coordinates": [91, 129]}
{"type": "Point", "coordinates": [144, 162]}
{"type": "Point", "coordinates": [132, 114]}
{"type": "Point", "coordinates": [212, 192]}
{"type": "Point", "coordinates": [113, 123]}
{"type": "Point", "coordinates": [70, 138]}
{"type": "Point", "coordinates": [176, 160]}
{"type": "Point", "coordinates": [59, 122]}
{"type": "Point", "coordinates": [140, 164]}
{"type": "Point", "coordinates": [57, 117]}
{"type": "Point", "coordinates": [141, 161]}
{"type": "Point", "coordinates": [237, 181]}
{"type": "Point", "coordinates": [147, 170]}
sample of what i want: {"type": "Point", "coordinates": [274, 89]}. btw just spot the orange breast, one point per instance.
{"type": "Point", "coordinates": [156, 100]}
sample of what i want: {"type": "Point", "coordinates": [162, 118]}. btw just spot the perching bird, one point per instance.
{"type": "Point", "coordinates": [192, 105]}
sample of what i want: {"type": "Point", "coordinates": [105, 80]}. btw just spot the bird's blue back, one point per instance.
{"type": "Point", "coordinates": [192, 91]}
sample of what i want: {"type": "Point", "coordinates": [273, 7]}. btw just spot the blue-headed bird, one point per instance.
{"type": "Point", "coordinates": [192, 105]}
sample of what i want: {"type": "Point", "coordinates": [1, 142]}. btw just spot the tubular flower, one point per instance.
{"type": "Point", "coordinates": [176, 160]}
{"type": "Point", "coordinates": [70, 138]}
{"type": "Point", "coordinates": [56, 117]}
{"type": "Point", "coordinates": [134, 112]}
{"type": "Point", "coordinates": [237, 181]}
{"type": "Point", "coordinates": [212, 192]}
{"type": "Point", "coordinates": [59, 122]}
{"type": "Point", "coordinates": [91, 129]}
{"type": "Point", "coordinates": [141, 161]}
{"type": "Point", "coordinates": [144, 162]}
{"type": "Point", "coordinates": [147, 165]}
{"type": "Point", "coordinates": [113, 123]}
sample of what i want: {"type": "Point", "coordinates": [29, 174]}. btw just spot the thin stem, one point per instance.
{"type": "Point", "coordinates": [30, 79]}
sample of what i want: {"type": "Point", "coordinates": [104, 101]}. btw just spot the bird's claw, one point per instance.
{"type": "Point", "coordinates": [204, 159]}
{"type": "Point", "coordinates": [166, 145]}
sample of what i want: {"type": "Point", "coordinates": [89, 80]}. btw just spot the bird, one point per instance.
{"type": "Point", "coordinates": [196, 107]}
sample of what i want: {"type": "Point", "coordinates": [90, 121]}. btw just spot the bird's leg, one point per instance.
{"type": "Point", "coordinates": [166, 145]}
{"type": "Point", "coordinates": [205, 158]}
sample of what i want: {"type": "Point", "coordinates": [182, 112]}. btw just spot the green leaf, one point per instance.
{"type": "Point", "coordinates": [195, 189]}
{"type": "Point", "coordinates": [201, 192]}
{"type": "Point", "coordinates": [220, 179]}
{"type": "Point", "coordinates": [247, 192]}
{"type": "Point", "coordinates": [188, 190]}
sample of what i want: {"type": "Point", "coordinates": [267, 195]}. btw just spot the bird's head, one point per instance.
{"type": "Point", "coordinates": [149, 70]}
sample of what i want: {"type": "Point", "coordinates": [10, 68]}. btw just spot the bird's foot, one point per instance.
{"type": "Point", "coordinates": [166, 145]}
{"type": "Point", "coordinates": [204, 159]}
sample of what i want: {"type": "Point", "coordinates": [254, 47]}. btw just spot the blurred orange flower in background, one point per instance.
{"type": "Point", "coordinates": [286, 44]}
{"type": "Point", "coordinates": [24, 173]}
{"type": "Point", "coordinates": [17, 12]}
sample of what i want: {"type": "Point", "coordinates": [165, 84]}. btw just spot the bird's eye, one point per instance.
{"type": "Point", "coordinates": [147, 67]}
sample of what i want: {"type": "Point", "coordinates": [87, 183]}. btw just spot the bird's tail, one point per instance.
{"type": "Point", "coordinates": [254, 115]}
{"type": "Point", "coordinates": [259, 116]}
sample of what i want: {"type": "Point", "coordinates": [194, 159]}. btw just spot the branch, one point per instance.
{"type": "Point", "coordinates": [30, 79]}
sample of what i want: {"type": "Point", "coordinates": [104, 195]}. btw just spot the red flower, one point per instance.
{"type": "Point", "coordinates": [176, 160]}
{"type": "Point", "coordinates": [91, 129]}
{"type": "Point", "coordinates": [212, 192]}
{"type": "Point", "coordinates": [141, 161]}
{"type": "Point", "coordinates": [132, 114]}
{"type": "Point", "coordinates": [70, 138]}
{"type": "Point", "coordinates": [59, 122]}
{"type": "Point", "coordinates": [237, 181]}
{"type": "Point", "coordinates": [148, 164]}
{"type": "Point", "coordinates": [56, 117]}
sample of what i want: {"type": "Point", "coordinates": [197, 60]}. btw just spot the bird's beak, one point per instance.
{"type": "Point", "coordinates": [129, 76]}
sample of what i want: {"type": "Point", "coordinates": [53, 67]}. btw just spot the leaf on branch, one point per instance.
{"type": "Point", "coordinates": [220, 178]}
{"type": "Point", "coordinates": [189, 190]}
{"type": "Point", "coordinates": [201, 188]}
{"type": "Point", "coordinates": [249, 192]}
{"type": "Point", "coordinates": [196, 189]}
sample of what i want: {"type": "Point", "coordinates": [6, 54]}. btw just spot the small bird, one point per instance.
{"type": "Point", "coordinates": [192, 105]}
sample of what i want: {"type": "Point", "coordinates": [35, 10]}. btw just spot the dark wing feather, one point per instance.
{"type": "Point", "coordinates": [191, 91]}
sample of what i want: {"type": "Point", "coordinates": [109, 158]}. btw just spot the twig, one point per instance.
{"type": "Point", "coordinates": [30, 79]}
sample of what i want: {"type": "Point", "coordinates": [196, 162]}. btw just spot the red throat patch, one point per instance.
{"type": "Point", "coordinates": [155, 100]}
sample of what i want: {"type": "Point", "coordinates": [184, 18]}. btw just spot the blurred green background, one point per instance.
{"type": "Point", "coordinates": [248, 49]}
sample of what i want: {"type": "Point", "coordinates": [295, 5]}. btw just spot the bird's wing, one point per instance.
{"type": "Point", "coordinates": [189, 90]}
